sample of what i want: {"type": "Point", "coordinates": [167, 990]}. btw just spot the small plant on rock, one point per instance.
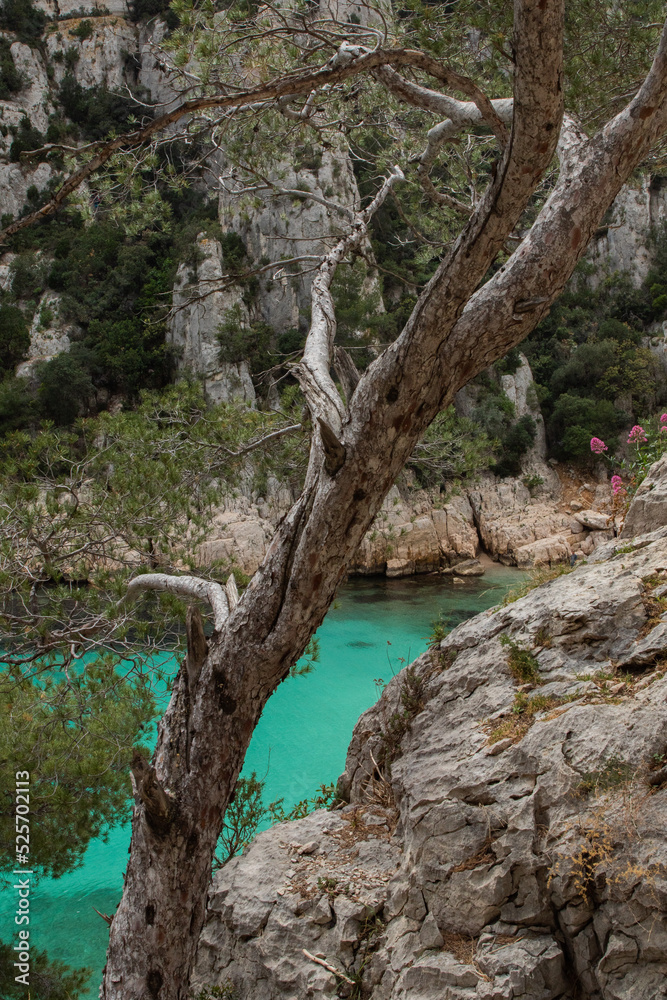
{"type": "Point", "coordinates": [522, 664]}
{"type": "Point", "coordinates": [226, 991]}
{"type": "Point", "coordinates": [439, 632]}
{"type": "Point", "coordinates": [615, 773]}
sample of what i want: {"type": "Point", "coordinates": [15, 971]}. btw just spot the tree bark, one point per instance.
{"type": "Point", "coordinates": [457, 328]}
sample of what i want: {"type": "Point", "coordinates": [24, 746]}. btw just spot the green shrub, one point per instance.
{"type": "Point", "coordinates": [111, 287]}
{"type": "Point", "coordinates": [514, 443]}
{"type": "Point", "coordinates": [11, 81]}
{"type": "Point", "coordinates": [26, 138]}
{"type": "Point", "coordinates": [96, 110]}
{"type": "Point", "coordinates": [65, 388]}
{"type": "Point", "coordinates": [522, 664]}
{"type": "Point", "coordinates": [24, 19]}
{"type": "Point", "coordinates": [510, 363]}
{"type": "Point", "coordinates": [246, 343]}
{"type": "Point", "coordinates": [574, 420]}
{"type": "Point", "coordinates": [614, 774]}
{"type": "Point", "coordinates": [14, 337]}
{"type": "Point", "coordinates": [83, 30]}
{"type": "Point", "coordinates": [17, 406]}
{"type": "Point", "coordinates": [145, 10]}
{"type": "Point", "coordinates": [27, 276]}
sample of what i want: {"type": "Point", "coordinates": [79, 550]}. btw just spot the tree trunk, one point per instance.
{"type": "Point", "coordinates": [357, 452]}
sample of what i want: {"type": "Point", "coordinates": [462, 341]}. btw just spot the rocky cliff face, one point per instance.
{"type": "Point", "coordinates": [623, 241]}
{"type": "Point", "coordinates": [201, 303]}
{"type": "Point", "coordinates": [504, 832]}
{"type": "Point", "coordinates": [417, 532]}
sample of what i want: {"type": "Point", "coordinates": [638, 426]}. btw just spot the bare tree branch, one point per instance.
{"type": "Point", "coordinates": [263, 440]}
{"type": "Point", "coordinates": [312, 371]}
{"type": "Point", "coordinates": [348, 62]}
{"type": "Point", "coordinates": [184, 586]}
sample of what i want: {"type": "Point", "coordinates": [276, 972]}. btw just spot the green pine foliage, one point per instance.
{"type": "Point", "coordinates": [49, 978]}
{"type": "Point", "coordinates": [453, 448]}
{"type": "Point", "coordinates": [74, 731]}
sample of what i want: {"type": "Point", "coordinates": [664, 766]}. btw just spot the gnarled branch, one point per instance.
{"type": "Point", "coordinates": [197, 647]}
{"type": "Point", "coordinates": [326, 406]}
{"type": "Point", "coordinates": [159, 804]}
{"type": "Point", "coordinates": [185, 586]}
{"type": "Point", "coordinates": [349, 61]}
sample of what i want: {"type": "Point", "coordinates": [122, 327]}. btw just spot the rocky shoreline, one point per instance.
{"type": "Point", "coordinates": [419, 533]}
{"type": "Point", "coordinates": [505, 805]}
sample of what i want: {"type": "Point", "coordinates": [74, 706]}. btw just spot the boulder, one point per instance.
{"type": "Point", "coordinates": [236, 541]}
{"type": "Point", "coordinates": [49, 336]}
{"type": "Point", "coordinates": [592, 519]}
{"type": "Point", "coordinates": [469, 567]}
{"type": "Point", "coordinates": [509, 519]}
{"type": "Point", "coordinates": [508, 874]}
{"type": "Point", "coordinates": [648, 510]}
{"type": "Point", "coordinates": [543, 552]}
{"type": "Point", "coordinates": [415, 537]}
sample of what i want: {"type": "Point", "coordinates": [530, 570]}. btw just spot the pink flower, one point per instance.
{"type": "Point", "coordinates": [598, 446]}
{"type": "Point", "coordinates": [637, 435]}
{"type": "Point", "coordinates": [663, 430]}
{"type": "Point", "coordinates": [663, 418]}
{"type": "Point", "coordinates": [616, 484]}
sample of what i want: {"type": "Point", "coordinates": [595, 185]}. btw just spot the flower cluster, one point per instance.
{"type": "Point", "coordinates": [638, 434]}
{"type": "Point", "coordinates": [650, 443]}
{"type": "Point", "coordinates": [598, 446]}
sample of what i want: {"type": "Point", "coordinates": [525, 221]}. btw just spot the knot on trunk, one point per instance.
{"type": "Point", "coordinates": [160, 807]}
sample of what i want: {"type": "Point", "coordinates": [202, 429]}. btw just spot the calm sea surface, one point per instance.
{"type": "Point", "coordinates": [374, 628]}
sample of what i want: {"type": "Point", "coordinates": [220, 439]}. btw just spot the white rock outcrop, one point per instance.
{"type": "Point", "coordinates": [511, 522]}
{"type": "Point", "coordinates": [505, 832]}
{"type": "Point", "coordinates": [285, 226]}
{"type": "Point", "coordinates": [623, 244]}
{"type": "Point", "coordinates": [648, 509]}
{"type": "Point", "coordinates": [101, 57]}
{"type": "Point", "coordinates": [200, 305]}
{"type": "Point", "coordinates": [61, 8]}
{"type": "Point", "coordinates": [520, 390]}
{"type": "Point", "coordinates": [417, 537]}
{"type": "Point", "coordinates": [48, 336]}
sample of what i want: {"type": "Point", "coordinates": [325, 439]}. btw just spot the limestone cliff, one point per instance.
{"type": "Point", "coordinates": [622, 242]}
{"type": "Point", "coordinates": [504, 832]}
{"type": "Point", "coordinates": [201, 303]}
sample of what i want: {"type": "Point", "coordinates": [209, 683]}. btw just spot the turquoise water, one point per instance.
{"type": "Point", "coordinates": [373, 629]}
